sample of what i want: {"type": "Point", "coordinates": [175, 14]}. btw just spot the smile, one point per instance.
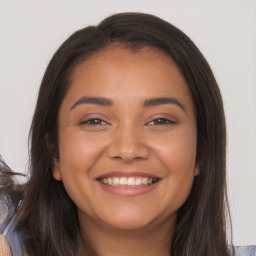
{"type": "Point", "coordinates": [128, 181]}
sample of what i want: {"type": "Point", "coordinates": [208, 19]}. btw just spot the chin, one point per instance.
{"type": "Point", "coordinates": [128, 219]}
{"type": "Point", "coordinates": [128, 224]}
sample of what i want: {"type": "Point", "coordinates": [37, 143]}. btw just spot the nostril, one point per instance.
{"type": "Point", "coordinates": [128, 153]}
{"type": "Point", "coordinates": [127, 143]}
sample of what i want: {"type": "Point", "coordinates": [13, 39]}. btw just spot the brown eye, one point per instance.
{"type": "Point", "coordinates": [94, 121]}
{"type": "Point", "coordinates": [161, 121]}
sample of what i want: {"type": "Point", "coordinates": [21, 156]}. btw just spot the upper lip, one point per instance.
{"type": "Point", "coordinates": [126, 174]}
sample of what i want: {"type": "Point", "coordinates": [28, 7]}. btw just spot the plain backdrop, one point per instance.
{"type": "Point", "coordinates": [224, 30]}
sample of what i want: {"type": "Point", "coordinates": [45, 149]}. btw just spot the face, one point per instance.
{"type": "Point", "coordinates": [127, 138]}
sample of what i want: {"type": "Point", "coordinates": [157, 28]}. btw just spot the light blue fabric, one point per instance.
{"type": "Point", "coordinates": [7, 226]}
{"type": "Point", "coordinates": [245, 251]}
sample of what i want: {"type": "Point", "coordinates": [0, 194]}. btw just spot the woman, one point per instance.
{"type": "Point", "coordinates": [128, 147]}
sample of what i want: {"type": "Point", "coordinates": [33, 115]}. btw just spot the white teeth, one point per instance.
{"type": "Point", "coordinates": [130, 181]}
{"type": "Point", "coordinates": [123, 181]}
{"type": "Point", "coordinates": [115, 181]}
{"type": "Point", "coordinates": [138, 181]}
{"type": "Point", "coordinates": [145, 181]}
{"type": "Point", "coordinates": [109, 181]}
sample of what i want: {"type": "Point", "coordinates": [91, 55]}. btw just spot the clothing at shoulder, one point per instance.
{"type": "Point", "coordinates": [10, 238]}
{"type": "Point", "coordinates": [245, 250]}
{"type": "Point", "coordinates": [10, 195]}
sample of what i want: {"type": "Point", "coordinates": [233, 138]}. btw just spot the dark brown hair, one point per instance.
{"type": "Point", "coordinates": [9, 189]}
{"type": "Point", "coordinates": [48, 215]}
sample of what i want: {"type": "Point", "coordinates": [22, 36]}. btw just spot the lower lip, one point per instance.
{"type": "Point", "coordinates": [128, 190]}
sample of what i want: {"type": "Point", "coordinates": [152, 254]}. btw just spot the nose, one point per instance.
{"type": "Point", "coordinates": [128, 144]}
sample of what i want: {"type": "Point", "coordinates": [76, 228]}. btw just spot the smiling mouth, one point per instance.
{"type": "Point", "coordinates": [128, 181]}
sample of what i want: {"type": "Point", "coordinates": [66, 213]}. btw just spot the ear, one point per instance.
{"type": "Point", "coordinates": [197, 169]}
{"type": "Point", "coordinates": [53, 152]}
{"type": "Point", "coordinates": [56, 171]}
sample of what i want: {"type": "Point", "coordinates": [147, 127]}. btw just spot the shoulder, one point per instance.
{"type": "Point", "coordinates": [10, 238]}
{"type": "Point", "coordinates": [245, 250]}
{"type": "Point", "coordinates": [10, 198]}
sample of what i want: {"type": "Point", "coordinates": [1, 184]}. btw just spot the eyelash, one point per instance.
{"type": "Point", "coordinates": [161, 121]}
{"type": "Point", "coordinates": [100, 122]}
{"type": "Point", "coordinates": [94, 121]}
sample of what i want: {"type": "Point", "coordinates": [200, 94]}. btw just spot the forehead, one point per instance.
{"type": "Point", "coordinates": [120, 71]}
{"type": "Point", "coordinates": [117, 54]}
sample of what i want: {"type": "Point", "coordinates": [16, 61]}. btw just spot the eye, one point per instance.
{"type": "Point", "coordinates": [94, 122]}
{"type": "Point", "coordinates": [161, 121]}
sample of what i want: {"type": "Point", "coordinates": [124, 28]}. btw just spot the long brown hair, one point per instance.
{"type": "Point", "coordinates": [48, 215]}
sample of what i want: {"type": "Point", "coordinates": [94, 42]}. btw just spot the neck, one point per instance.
{"type": "Point", "coordinates": [102, 240]}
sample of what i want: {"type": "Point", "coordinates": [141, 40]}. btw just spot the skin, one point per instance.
{"type": "Point", "coordinates": [127, 136]}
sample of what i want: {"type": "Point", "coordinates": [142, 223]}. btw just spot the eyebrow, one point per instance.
{"type": "Point", "coordinates": [93, 100]}
{"type": "Point", "coordinates": [162, 101]}
{"type": "Point", "coordinates": [147, 103]}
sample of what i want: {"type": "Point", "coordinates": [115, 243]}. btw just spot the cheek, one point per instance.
{"type": "Point", "coordinates": [177, 151]}
{"type": "Point", "coordinates": [178, 157]}
{"type": "Point", "coordinates": [78, 155]}
{"type": "Point", "coordinates": [79, 151]}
